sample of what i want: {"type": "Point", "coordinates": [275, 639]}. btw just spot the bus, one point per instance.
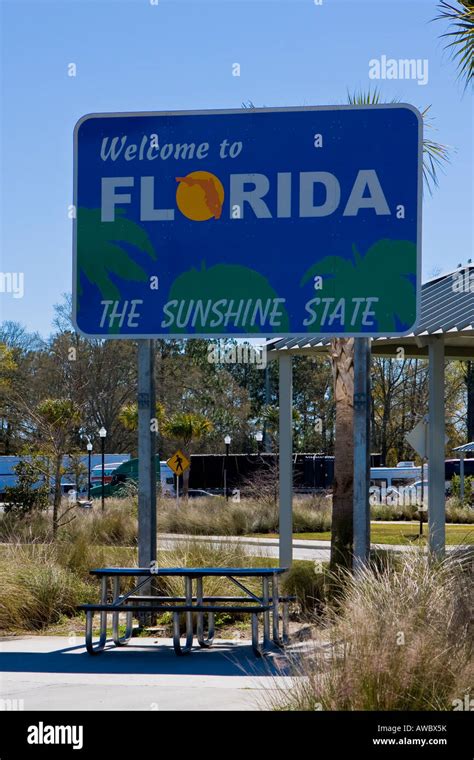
{"type": "Point", "coordinates": [403, 474]}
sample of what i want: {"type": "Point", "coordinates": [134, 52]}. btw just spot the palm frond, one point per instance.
{"type": "Point", "coordinates": [461, 38]}
{"type": "Point", "coordinates": [367, 98]}
{"type": "Point", "coordinates": [435, 155]}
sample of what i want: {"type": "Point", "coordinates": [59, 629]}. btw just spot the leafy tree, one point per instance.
{"type": "Point", "coordinates": [187, 427]}
{"type": "Point", "coordinates": [270, 419]}
{"type": "Point", "coordinates": [469, 381]}
{"type": "Point", "coordinates": [56, 421]}
{"type": "Point", "coordinates": [8, 370]}
{"type": "Point", "coordinates": [128, 416]}
{"type": "Point", "coordinates": [27, 495]}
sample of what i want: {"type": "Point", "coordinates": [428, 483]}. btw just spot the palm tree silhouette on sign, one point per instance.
{"type": "Point", "coordinates": [104, 251]}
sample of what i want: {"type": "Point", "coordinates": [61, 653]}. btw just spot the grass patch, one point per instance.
{"type": "Point", "coordinates": [398, 533]}
{"type": "Point", "coordinates": [399, 638]}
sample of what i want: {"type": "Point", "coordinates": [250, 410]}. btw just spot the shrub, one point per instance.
{"type": "Point", "coordinates": [308, 585]}
{"type": "Point", "coordinates": [398, 639]}
{"type": "Point", "coordinates": [24, 497]}
{"type": "Point", "coordinates": [36, 590]}
{"type": "Point", "coordinates": [457, 512]}
{"type": "Point", "coordinates": [456, 488]}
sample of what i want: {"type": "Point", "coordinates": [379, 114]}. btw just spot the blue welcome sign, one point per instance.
{"type": "Point", "coordinates": [250, 222]}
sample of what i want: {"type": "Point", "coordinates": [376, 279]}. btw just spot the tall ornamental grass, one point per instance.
{"type": "Point", "coordinates": [399, 638]}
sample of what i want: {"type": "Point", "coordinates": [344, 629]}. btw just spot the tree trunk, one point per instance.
{"type": "Point", "coordinates": [57, 494]}
{"type": "Point", "coordinates": [342, 356]}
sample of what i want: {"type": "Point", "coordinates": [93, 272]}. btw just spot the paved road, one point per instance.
{"type": "Point", "coordinates": [268, 547]}
{"type": "Point", "coordinates": [56, 673]}
{"type": "Point", "coordinates": [261, 547]}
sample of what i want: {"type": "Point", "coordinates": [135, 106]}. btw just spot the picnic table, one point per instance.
{"type": "Point", "coordinates": [266, 604]}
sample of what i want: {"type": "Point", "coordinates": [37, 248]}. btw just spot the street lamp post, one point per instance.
{"type": "Point", "coordinates": [103, 435]}
{"type": "Point", "coordinates": [227, 441]}
{"type": "Point", "coordinates": [259, 439]}
{"type": "Point", "coordinates": [89, 452]}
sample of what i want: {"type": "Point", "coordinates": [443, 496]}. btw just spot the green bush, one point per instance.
{"type": "Point", "coordinates": [36, 590]}
{"type": "Point", "coordinates": [23, 497]}
{"type": "Point", "coordinates": [456, 489]}
{"type": "Point", "coordinates": [307, 584]}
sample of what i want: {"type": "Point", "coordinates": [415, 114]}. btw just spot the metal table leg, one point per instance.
{"type": "Point", "coordinates": [99, 647]}
{"type": "Point", "coordinates": [276, 610]}
{"type": "Point", "coordinates": [189, 622]}
{"type": "Point", "coordinates": [200, 620]}
{"type": "Point", "coordinates": [286, 623]}
{"type": "Point", "coordinates": [256, 646]}
{"type": "Point", "coordinates": [120, 641]}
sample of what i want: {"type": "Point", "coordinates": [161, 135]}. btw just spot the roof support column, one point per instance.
{"type": "Point", "coordinates": [436, 436]}
{"type": "Point", "coordinates": [285, 460]}
{"type": "Point", "coordinates": [461, 475]}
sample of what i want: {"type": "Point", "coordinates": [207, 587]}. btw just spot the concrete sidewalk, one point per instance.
{"type": "Point", "coordinates": [56, 673]}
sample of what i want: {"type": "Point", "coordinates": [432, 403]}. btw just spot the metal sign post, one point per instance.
{"type": "Point", "coordinates": [146, 455]}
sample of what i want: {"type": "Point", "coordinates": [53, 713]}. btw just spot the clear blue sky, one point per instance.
{"type": "Point", "coordinates": [132, 55]}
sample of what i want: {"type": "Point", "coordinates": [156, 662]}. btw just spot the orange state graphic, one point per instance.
{"type": "Point", "coordinates": [200, 196]}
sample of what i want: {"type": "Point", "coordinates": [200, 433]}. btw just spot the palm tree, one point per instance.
{"type": "Point", "coordinates": [128, 417]}
{"type": "Point", "coordinates": [461, 37]}
{"type": "Point", "coordinates": [342, 359]}
{"type": "Point", "coordinates": [187, 427]}
{"type": "Point", "coordinates": [270, 419]}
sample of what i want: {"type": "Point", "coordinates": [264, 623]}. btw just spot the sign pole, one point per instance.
{"type": "Point", "coordinates": [361, 451]}
{"type": "Point", "coordinates": [146, 455]}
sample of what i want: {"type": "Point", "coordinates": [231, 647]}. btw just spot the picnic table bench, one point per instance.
{"type": "Point", "coordinates": [267, 604]}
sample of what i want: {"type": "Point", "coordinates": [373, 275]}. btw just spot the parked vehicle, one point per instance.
{"type": "Point", "coordinates": [124, 480]}
{"type": "Point", "coordinates": [8, 475]}
{"type": "Point", "coordinates": [109, 469]}
{"type": "Point", "coordinates": [405, 473]}
{"type": "Point", "coordinates": [200, 493]}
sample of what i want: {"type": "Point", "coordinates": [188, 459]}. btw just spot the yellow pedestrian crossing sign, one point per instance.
{"type": "Point", "coordinates": [178, 462]}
